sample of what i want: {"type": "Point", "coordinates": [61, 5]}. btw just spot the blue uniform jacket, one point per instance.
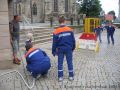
{"type": "Point", "coordinates": [63, 39]}
{"type": "Point", "coordinates": [37, 60]}
{"type": "Point", "coordinates": [98, 30]}
{"type": "Point", "coordinates": [110, 29]}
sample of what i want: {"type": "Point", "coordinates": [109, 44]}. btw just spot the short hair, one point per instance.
{"type": "Point", "coordinates": [15, 16]}
{"type": "Point", "coordinates": [61, 19]}
{"type": "Point", "coordinates": [28, 45]}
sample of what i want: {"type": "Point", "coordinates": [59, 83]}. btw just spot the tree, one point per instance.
{"type": "Point", "coordinates": [91, 8]}
{"type": "Point", "coordinates": [112, 13]}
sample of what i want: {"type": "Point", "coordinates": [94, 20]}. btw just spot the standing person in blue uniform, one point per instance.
{"type": "Point", "coordinates": [98, 30]}
{"type": "Point", "coordinates": [110, 32]}
{"type": "Point", "coordinates": [64, 45]}
{"type": "Point", "coordinates": [38, 63]}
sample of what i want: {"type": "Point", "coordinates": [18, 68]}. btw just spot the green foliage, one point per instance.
{"type": "Point", "coordinates": [91, 8]}
{"type": "Point", "coordinates": [112, 13]}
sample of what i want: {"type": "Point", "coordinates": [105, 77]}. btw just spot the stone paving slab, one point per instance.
{"type": "Point", "coordinates": [93, 71]}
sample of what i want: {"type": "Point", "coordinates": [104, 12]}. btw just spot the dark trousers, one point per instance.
{"type": "Point", "coordinates": [112, 38]}
{"type": "Point", "coordinates": [68, 55]}
{"type": "Point", "coordinates": [41, 69]}
{"type": "Point", "coordinates": [99, 36]}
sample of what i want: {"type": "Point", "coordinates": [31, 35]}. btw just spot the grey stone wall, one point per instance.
{"type": "Point", "coordinates": [4, 32]}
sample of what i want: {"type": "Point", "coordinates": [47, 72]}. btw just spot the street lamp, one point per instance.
{"type": "Point", "coordinates": [86, 4]}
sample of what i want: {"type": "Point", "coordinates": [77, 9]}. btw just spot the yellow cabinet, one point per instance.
{"type": "Point", "coordinates": [90, 24]}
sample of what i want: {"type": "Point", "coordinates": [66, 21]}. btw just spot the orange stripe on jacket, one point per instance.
{"type": "Point", "coordinates": [62, 29]}
{"type": "Point", "coordinates": [29, 51]}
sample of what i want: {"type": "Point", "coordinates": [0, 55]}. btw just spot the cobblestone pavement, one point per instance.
{"type": "Point", "coordinates": [93, 71]}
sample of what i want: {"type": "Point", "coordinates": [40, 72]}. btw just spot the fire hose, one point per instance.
{"type": "Point", "coordinates": [15, 71]}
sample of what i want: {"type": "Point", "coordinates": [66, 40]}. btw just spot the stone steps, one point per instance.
{"type": "Point", "coordinates": [41, 35]}
{"type": "Point", "coordinates": [36, 37]}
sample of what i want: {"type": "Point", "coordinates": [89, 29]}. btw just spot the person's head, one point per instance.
{"type": "Point", "coordinates": [28, 45]}
{"type": "Point", "coordinates": [29, 36]}
{"type": "Point", "coordinates": [110, 23]}
{"type": "Point", "coordinates": [61, 20]}
{"type": "Point", "coordinates": [98, 26]}
{"type": "Point", "coordinates": [17, 18]}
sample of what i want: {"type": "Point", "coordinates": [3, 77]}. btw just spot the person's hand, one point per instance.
{"type": "Point", "coordinates": [11, 40]}
{"type": "Point", "coordinates": [73, 50]}
{"type": "Point", "coordinates": [56, 50]}
{"type": "Point", "coordinates": [54, 53]}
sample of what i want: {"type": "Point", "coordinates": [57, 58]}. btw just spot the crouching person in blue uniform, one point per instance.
{"type": "Point", "coordinates": [64, 45]}
{"type": "Point", "coordinates": [38, 63]}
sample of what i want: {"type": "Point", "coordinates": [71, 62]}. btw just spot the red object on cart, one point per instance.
{"type": "Point", "coordinates": [89, 36]}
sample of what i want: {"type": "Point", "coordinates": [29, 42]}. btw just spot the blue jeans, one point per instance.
{"type": "Point", "coordinates": [68, 55]}
{"type": "Point", "coordinates": [99, 36]}
{"type": "Point", "coordinates": [15, 45]}
{"type": "Point", "coordinates": [112, 38]}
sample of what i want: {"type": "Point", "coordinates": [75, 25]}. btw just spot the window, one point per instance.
{"type": "Point", "coordinates": [34, 9]}
{"type": "Point", "coordinates": [55, 5]}
{"type": "Point", "coordinates": [19, 9]}
{"type": "Point", "coordinates": [66, 5]}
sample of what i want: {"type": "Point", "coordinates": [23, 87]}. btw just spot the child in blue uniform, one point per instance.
{"type": "Point", "coordinates": [63, 45]}
{"type": "Point", "coordinates": [110, 32]}
{"type": "Point", "coordinates": [38, 63]}
{"type": "Point", "coordinates": [98, 30]}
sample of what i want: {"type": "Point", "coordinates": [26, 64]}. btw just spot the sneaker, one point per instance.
{"type": "Point", "coordinates": [38, 76]}
{"type": "Point", "coordinates": [60, 79]}
{"type": "Point", "coordinates": [44, 75]}
{"type": "Point", "coordinates": [16, 61]}
{"type": "Point", "coordinates": [71, 78]}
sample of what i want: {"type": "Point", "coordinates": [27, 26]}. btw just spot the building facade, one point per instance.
{"type": "Point", "coordinates": [5, 46]}
{"type": "Point", "coordinates": [42, 10]}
